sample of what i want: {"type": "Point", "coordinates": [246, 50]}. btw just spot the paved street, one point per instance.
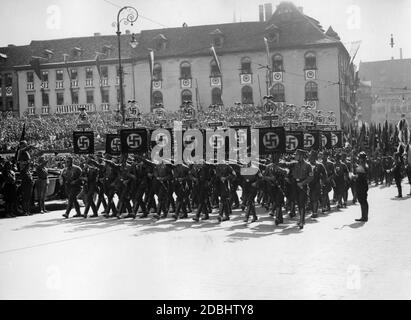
{"type": "Point", "coordinates": [334, 257]}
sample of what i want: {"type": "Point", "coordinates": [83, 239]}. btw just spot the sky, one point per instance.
{"type": "Point", "coordinates": [370, 21]}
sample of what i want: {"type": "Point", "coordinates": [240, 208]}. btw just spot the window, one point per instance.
{"type": "Point", "coordinates": [9, 80]}
{"type": "Point", "coordinates": [246, 65]}
{"type": "Point", "coordinates": [278, 63]}
{"type": "Point", "coordinates": [1, 103]}
{"type": "Point", "coordinates": [30, 99]}
{"type": "Point", "coordinates": [105, 96]}
{"type": "Point", "coordinates": [118, 71]}
{"type": "Point", "coordinates": [74, 74]}
{"type": "Point", "coordinates": [157, 97]}
{"type": "Point", "coordinates": [157, 73]}
{"type": "Point", "coordinates": [59, 75]}
{"type": "Point", "coordinates": [90, 96]}
{"type": "Point", "coordinates": [216, 96]}
{"type": "Point", "coordinates": [311, 91]}
{"type": "Point", "coordinates": [30, 77]}
{"type": "Point", "coordinates": [277, 91]}
{"type": "Point", "coordinates": [89, 73]}
{"type": "Point", "coordinates": [186, 95]}
{"type": "Point", "coordinates": [60, 98]}
{"type": "Point", "coordinates": [1, 81]}
{"type": "Point", "coordinates": [45, 99]}
{"type": "Point", "coordinates": [247, 95]}
{"type": "Point", "coordinates": [9, 104]}
{"type": "Point", "coordinates": [104, 71]}
{"type": "Point", "coordinates": [45, 76]}
{"type": "Point", "coordinates": [310, 60]}
{"type": "Point", "coordinates": [185, 70]}
{"type": "Point", "coordinates": [215, 72]}
{"type": "Point", "coordinates": [74, 97]}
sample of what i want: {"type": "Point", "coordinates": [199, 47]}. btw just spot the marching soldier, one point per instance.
{"type": "Point", "coordinates": [90, 188]}
{"type": "Point", "coordinates": [100, 182]}
{"type": "Point", "coordinates": [251, 185]}
{"type": "Point", "coordinates": [301, 175]}
{"type": "Point", "coordinates": [319, 175]}
{"type": "Point", "coordinates": [139, 186]}
{"type": "Point", "coordinates": [224, 173]}
{"type": "Point", "coordinates": [341, 180]}
{"type": "Point", "coordinates": [112, 172]}
{"type": "Point", "coordinates": [72, 182]}
{"type": "Point", "coordinates": [180, 187]}
{"type": "Point", "coordinates": [125, 182]}
{"type": "Point", "coordinates": [274, 178]}
{"type": "Point", "coordinates": [201, 175]}
{"type": "Point", "coordinates": [329, 182]}
{"type": "Point", "coordinates": [162, 174]}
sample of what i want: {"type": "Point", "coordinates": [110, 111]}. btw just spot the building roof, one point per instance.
{"type": "Point", "coordinates": [15, 56]}
{"type": "Point", "coordinates": [386, 74]}
{"type": "Point", "coordinates": [295, 30]}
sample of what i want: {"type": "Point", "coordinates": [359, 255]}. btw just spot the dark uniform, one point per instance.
{"type": "Point", "coordinates": [251, 186]}
{"type": "Point", "coordinates": [301, 175]}
{"type": "Point", "coordinates": [361, 181]}
{"type": "Point", "coordinates": [397, 172]}
{"type": "Point", "coordinates": [72, 182]}
{"type": "Point", "coordinates": [26, 177]}
{"type": "Point", "coordinates": [90, 189]}
{"type": "Point", "coordinates": [341, 180]}
{"type": "Point", "coordinates": [329, 182]}
{"type": "Point", "coordinates": [181, 175]}
{"type": "Point", "coordinates": [319, 175]}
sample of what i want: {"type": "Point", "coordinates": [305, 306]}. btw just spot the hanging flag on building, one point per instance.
{"type": "Point", "coordinates": [151, 65]}
{"type": "Point", "coordinates": [65, 57]}
{"type": "Point", "coordinates": [216, 59]}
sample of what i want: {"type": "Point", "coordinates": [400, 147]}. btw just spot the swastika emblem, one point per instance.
{"type": "Point", "coordinates": [134, 140]}
{"type": "Point", "coordinates": [246, 78]}
{"type": "Point", "coordinates": [310, 74]}
{"type": "Point", "coordinates": [161, 140]}
{"type": "Point", "coordinates": [115, 144]}
{"type": "Point", "coordinates": [216, 140]}
{"type": "Point", "coordinates": [309, 140]}
{"type": "Point", "coordinates": [277, 76]}
{"type": "Point", "coordinates": [334, 139]}
{"type": "Point", "coordinates": [186, 83]}
{"type": "Point", "coordinates": [324, 140]}
{"type": "Point", "coordinates": [291, 142]}
{"type": "Point", "coordinates": [271, 140]}
{"type": "Point", "coordinates": [83, 143]}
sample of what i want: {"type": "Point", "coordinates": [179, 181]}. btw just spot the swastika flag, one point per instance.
{"type": "Point", "coordinates": [83, 142]}
{"type": "Point", "coordinates": [326, 140]}
{"type": "Point", "coordinates": [134, 140]}
{"type": "Point", "coordinates": [294, 140]}
{"type": "Point", "coordinates": [337, 139]}
{"type": "Point", "coordinates": [271, 140]}
{"type": "Point", "coordinates": [113, 144]}
{"type": "Point", "coordinates": [312, 140]}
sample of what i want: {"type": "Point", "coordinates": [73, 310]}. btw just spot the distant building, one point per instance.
{"type": "Point", "coordinates": [305, 66]}
{"type": "Point", "coordinates": [365, 101]}
{"type": "Point", "coordinates": [390, 88]}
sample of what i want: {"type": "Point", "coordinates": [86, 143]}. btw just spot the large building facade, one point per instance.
{"type": "Point", "coordinates": [390, 82]}
{"type": "Point", "coordinates": [286, 54]}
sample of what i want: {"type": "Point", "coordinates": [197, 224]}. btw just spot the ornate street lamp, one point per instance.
{"type": "Point", "coordinates": [131, 16]}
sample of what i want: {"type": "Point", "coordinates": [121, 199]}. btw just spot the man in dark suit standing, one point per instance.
{"type": "Point", "coordinates": [24, 161]}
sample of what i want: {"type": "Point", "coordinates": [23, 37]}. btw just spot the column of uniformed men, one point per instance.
{"type": "Point", "coordinates": [130, 186]}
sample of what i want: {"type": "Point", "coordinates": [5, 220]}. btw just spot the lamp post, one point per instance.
{"type": "Point", "coordinates": [131, 17]}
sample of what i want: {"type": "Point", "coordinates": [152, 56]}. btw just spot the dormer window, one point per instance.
{"type": "Point", "coordinates": [76, 52]}
{"type": "Point", "coordinates": [217, 38]}
{"type": "Point", "coordinates": [48, 53]}
{"type": "Point", "coordinates": [272, 33]}
{"type": "Point", "coordinates": [107, 50]}
{"type": "Point", "coordinates": [160, 42]}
